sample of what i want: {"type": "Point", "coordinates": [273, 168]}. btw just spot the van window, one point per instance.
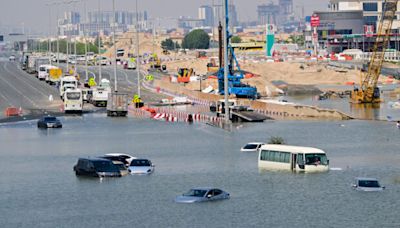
{"type": "Point", "coordinates": [275, 156]}
{"type": "Point", "coordinates": [73, 96]}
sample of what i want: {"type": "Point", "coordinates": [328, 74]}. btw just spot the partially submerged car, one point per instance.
{"type": "Point", "coordinates": [252, 147]}
{"type": "Point", "coordinates": [141, 166]}
{"type": "Point", "coordinates": [367, 185]}
{"type": "Point", "coordinates": [125, 158]}
{"type": "Point", "coordinates": [96, 167]}
{"type": "Point", "coordinates": [122, 168]}
{"type": "Point", "coordinates": [49, 122]}
{"type": "Point", "coordinates": [202, 195]}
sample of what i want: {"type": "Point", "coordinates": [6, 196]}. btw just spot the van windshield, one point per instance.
{"type": "Point", "coordinates": [105, 166]}
{"type": "Point", "coordinates": [316, 159]}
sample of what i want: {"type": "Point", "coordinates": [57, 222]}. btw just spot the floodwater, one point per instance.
{"type": "Point", "coordinates": [38, 187]}
{"type": "Point", "coordinates": [382, 111]}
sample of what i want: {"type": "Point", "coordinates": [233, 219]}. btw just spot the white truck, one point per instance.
{"type": "Point", "coordinates": [31, 64]}
{"type": "Point", "coordinates": [100, 93]}
{"type": "Point", "coordinates": [68, 82]}
{"type": "Point", "coordinates": [42, 73]}
{"type": "Point", "coordinates": [39, 62]}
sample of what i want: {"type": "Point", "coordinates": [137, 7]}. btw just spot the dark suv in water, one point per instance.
{"type": "Point", "coordinates": [96, 167]}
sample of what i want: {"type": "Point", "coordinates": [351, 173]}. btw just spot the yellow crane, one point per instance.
{"type": "Point", "coordinates": [369, 92]}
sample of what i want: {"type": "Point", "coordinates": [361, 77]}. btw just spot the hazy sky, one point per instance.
{"type": "Point", "coordinates": [35, 14]}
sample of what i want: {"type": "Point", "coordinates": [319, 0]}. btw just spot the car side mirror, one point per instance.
{"type": "Point", "coordinates": [383, 187]}
{"type": "Point", "coordinates": [327, 162]}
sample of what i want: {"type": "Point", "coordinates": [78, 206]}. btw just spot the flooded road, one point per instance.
{"type": "Point", "coordinates": [38, 187]}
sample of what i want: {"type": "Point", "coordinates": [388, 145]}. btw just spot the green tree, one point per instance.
{"type": "Point", "coordinates": [236, 39]}
{"type": "Point", "coordinates": [168, 44]}
{"type": "Point", "coordinates": [297, 39]}
{"type": "Point", "coordinates": [196, 39]}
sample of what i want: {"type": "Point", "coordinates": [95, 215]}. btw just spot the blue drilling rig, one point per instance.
{"type": "Point", "coordinates": [235, 86]}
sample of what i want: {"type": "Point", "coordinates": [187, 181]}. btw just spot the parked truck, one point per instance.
{"type": "Point", "coordinates": [30, 68]}
{"type": "Point", "coordinates": [117, 104]}
{"type": "Point", "coordinates": [40, 61]}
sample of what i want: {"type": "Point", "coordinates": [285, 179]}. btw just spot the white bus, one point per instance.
{"type": "Point", "coordinates": [292, 158]}
{"type": "Point", "coordinates": [73, 101]}
{"type": "Point", "coordinates": [68, 81]}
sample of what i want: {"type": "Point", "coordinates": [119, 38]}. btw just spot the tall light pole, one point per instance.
{"type": "Point", "coordinates": [86, 47]}
{"type": "Point", "coordinates": [115, 49]}
{"type": "Point", "coordinates": [98, 39]}
{"type": "Point", "coordinates": [226, 68]}
{"type": "Point", "coordinates": [137, 50]}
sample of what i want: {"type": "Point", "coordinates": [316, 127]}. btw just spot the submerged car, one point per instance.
{"type": "Point", "coordinates": [252, 147]}
{"type": "Point", "coordinates": [141, 166]}
{"type": "Point", "coordinates": [367, 185]}
{"type": "Point", "coordinates": [125, 158]}
{"type": "Point", "coordinates": [96, 167]}
{"type": "Point", "coordinates": [12, 58]}
{"type": "Point", "coordinates": [202, 195]}
{"type": "Point", "coordinates": [49, 122]}
{"type": "Point", "coordinates": [122, 168]}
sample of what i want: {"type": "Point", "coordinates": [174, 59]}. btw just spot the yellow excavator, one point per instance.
{"type": "Point", "coordinates": [368, 91]}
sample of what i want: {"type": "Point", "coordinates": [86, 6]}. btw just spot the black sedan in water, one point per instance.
{"type": "Point", "coordinates": [49, 122]}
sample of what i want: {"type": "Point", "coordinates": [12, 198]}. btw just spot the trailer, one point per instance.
{"type": "Point", "coordinates": [117, 104]}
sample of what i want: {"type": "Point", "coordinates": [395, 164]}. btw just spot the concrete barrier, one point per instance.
{"type": "Point", "coordinates": [273, 110]}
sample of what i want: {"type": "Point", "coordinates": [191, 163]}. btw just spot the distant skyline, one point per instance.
{"type": "Point", "coordinates": [34, 14]}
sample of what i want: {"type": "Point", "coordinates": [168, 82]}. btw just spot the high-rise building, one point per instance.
{"type": "Point", "coordinates": [267, 14]}
{"type": "Point", "coordinates": [206, 14]}
{"type": "Point", "coordinates": [72, 18]}
{"type": "Point", "coordinates": [233, 18]}
{"type": "Point", "coordinates": [372, 10]}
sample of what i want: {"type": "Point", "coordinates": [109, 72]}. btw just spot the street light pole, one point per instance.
{"type": "Point", "coordinates": [98, 39]}
{"type": "Point", "coordinates": [115, 49]}
{"type": "Point", "coordinates": [86, 47]}
{"type": "Point", "coordinates": [137, 50]}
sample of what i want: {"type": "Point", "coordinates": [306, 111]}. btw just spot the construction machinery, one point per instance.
{"type": "Point", "coordinates": [235, 86]}
{"type": "Point", "coordinates": [155, 64]}
{"type": "Point", "coordinates": [184, 75]}
{"type": "Point", "coordinates": [368, 91]}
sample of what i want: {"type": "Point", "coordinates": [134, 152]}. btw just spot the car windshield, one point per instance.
{"type": "Point", "coordinates": [105, 166]}
{"type": "Point", "coordinates": [368, 183]}
{"type": "Point", "coordinates": [140, 162]}
{"type": "Point", "coordinates": [196, 193]}
{"type": "Point", "coordinates": [42, 69]}
{"type": "Point", "coordinates": [316, 159]}
{"type": "Point", "coordinates": [50, 119]}
{"type": "Point", "coordinates": [250, 146]}
{"type": "Point", "coordinates": [73, 95]}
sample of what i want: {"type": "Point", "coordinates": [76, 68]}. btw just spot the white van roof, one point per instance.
{"type": "Point", "coordinates": [292, 149]}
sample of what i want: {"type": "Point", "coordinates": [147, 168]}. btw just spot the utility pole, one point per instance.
{"type": "Point", "coordinates": [226, 68]}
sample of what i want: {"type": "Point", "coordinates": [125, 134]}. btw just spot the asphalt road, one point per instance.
{"type": "Point", "coordinates": [20, 89]}
{"type": "Point", "coordinates": [127, 81]}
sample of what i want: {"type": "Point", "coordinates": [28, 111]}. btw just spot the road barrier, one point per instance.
{"type": "Point", "coordinates": [12, 111]}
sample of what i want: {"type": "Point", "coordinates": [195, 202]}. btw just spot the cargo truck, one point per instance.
{"type": "Point", "coordinates": [117, 104]}
{"type": "Point", "coordinates": [40, 61]}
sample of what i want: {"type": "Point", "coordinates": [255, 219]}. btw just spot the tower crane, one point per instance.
{"type": "Point", "coordinates": [368, 91]}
